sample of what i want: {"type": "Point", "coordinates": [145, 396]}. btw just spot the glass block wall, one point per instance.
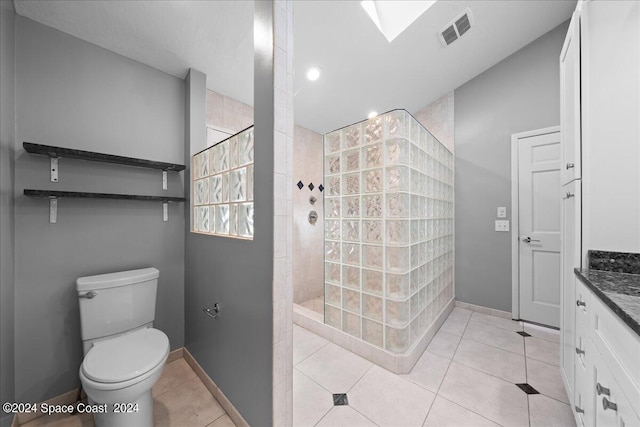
{"type": "Point", "coordinates": [223, 187]}
{"type": "Point", "coordinates": [388, 230]}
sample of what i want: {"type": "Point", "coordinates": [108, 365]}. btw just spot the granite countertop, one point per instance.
{"type": "Point", "coordinates": [619, 291]}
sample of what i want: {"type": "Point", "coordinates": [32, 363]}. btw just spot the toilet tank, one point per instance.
{"type": "Point", "coordinates": [123, 301]}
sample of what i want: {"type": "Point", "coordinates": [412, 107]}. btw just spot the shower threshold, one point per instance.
{"type": "Point", "coordinates": [307, 317]}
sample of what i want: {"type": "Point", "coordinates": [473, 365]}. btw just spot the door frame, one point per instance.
{"type": "Point", "coordinates": [515, 221]}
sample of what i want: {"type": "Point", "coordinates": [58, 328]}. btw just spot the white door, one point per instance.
{"type": "Point", "coordinates": [539, 228]}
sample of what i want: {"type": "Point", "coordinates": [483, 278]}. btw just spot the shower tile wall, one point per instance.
{"type": "Point", "coordinates": [438, 117]}
{"type": "Point", "coordinates": [388, 230]}
{"type": "Point", "coordinates": [308, 263]}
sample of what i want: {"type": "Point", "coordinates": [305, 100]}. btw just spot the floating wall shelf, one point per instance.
{"type": "Point", "coordinates": [54, 195]}
{"type": "Point", "coordinates": [70, 153]}
{"type": "Point", "coordinates": [55, 152]}
{"type": "Point", "coordinates": [85, 195]}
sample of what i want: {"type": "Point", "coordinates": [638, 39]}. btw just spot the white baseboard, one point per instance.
{"type": "Point", "coordinates": [231, 410]}
{"type": "Point", "coordinates": [484, 310]}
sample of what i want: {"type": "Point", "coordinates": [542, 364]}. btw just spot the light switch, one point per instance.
{"type": "Point", "coordinates": [502, 225]}
{"type": "Point", "coordinates": [502, 212]}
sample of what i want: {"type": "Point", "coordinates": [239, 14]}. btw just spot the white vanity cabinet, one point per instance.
{"type": "Point", "coordinates": [611, 406]}
{"type": "Point", "coordinates": [606, 390]}
{"type": "Point", "coordinates": [599, 67]}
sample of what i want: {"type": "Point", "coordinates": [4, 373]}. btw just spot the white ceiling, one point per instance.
{"type": "Point", "coordinates": [361, 70]}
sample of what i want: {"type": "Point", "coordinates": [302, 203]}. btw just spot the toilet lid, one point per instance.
{"type": "Point", "coordinates": [126, 357]}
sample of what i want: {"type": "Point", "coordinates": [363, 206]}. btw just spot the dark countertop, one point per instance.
{"type": "Point", "coordinates": [619, 291]}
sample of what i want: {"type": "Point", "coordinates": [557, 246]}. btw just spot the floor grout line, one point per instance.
{"type": "Point", "coordinates": [447, 371]}
{"type": "Point", "coordinates": [314, 352]}
{"type": "Point", "coordinates": [470, 410]}
{"type": "Point", "coordinates": [324, 415]}
{"type": "Point", "coordinates": [481, 342]}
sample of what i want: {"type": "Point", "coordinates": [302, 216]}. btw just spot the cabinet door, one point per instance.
{"type": "Point", "coordinates": [570, 102]}
{"type": "Point", "coordinates": [583, 390]}
{"type": "Point", "coordinates": [611, 408]}
{"type": "Point", "coordinates": [569, 259]}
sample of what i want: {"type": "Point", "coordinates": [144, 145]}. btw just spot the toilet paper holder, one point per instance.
{"type": "Point", "coordinates": [212, 313]}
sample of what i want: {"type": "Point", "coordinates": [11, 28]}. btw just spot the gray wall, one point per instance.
{"type": "Point", "coordinates": [236, 349]}
{"type": "Point", "coordinates": [75, 94]}
{"type": "Point", "coordinates": [520, 93]}
{"type": "Point", "coordinates": [7, 138]}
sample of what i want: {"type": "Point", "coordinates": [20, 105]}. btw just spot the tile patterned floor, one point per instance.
{"type": "Point", "coordinates": [466, 377]}
{"type": "Point", "coordinates": [180, 398]}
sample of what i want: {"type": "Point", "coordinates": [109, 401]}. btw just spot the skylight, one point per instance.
{"type": "Point", "coordinates": [392, 17]}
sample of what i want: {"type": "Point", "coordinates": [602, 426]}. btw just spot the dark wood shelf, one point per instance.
{"type": "Point", "coordinates": [54, 152]}
{"type": "Point", "coordinates": [84, 195]}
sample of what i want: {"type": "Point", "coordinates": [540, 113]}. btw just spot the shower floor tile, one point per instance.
{"type": "Point", "coordinates": [315, 304]}
{"type": "Point", "coordinates": [477, 388]}
{"type": "Point", "coordinates": [180, 398]}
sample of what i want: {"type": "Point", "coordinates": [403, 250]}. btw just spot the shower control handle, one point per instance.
{"type": "Point", "coordinates": [313, 217]}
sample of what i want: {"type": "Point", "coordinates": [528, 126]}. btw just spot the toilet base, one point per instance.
{"type": "Point", "coordinates": [128, 416]}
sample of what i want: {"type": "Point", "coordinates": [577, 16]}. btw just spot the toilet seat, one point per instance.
{"type": "Point", "coordinates": [126, 357]}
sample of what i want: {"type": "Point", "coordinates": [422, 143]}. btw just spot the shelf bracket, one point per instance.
{"type": "Point", "coordinates": [165, 211]}
{"type": "Point", "coordinates": [164, 179]}
{"type": "Point", "coordinates": [53, 209]}
{"type": "Point", "coordinates": [54, 169]}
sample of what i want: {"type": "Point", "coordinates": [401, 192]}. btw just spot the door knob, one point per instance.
{"type": "Point", "coordinates": [529, 240]}
{"type": "Point", "coordinates": [580, 351]}
{"type": "Point", "coordinates": [570, 165]}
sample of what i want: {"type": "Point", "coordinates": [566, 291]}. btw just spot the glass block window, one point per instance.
{"type": "Point", "coordinates": [388, 230]}
{"type": "Point", "coordinates": [223, 187]}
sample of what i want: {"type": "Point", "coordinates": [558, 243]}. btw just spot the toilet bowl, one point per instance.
{"type": "Point", "coordinates": [121, 372]}
{"type": "Point", "coordinates": [123, 354]}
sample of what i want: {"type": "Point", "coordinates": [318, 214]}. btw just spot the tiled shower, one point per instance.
{"type": "Point", "coordinates": [388, 230]}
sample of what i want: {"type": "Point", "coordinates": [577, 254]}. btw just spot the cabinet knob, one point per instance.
{"type": "Point", "coordinates": [602, 390]}
{"type": "Point", "coordinates": [579, 350]}
{"type": "Point", "coordinates": [581, 303]}
{"type": "Point", "coordinates": [570, 166]}
{"type": "Point", "coordinates": [579, 410]}
{"type": "Point", "coordinates": [609, 405]}
{"type": "Point", "coordinates": [568, 195]}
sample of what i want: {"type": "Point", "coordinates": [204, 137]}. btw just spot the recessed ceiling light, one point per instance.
{"type": "Point", "coordinates": [313, 73]}
{"type": "Point", "coordinates": [392, 17]}
{"type": "Point", "coordinates": [372, 114]}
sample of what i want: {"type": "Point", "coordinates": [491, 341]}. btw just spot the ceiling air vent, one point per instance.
{"type": "Point", "coordinates": [456, 28]}
{"type": "Point", "coordinates": [449, 35]}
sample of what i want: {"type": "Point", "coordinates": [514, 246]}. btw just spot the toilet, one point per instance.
{"type": "Point", "coordinates": [123, 354]}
